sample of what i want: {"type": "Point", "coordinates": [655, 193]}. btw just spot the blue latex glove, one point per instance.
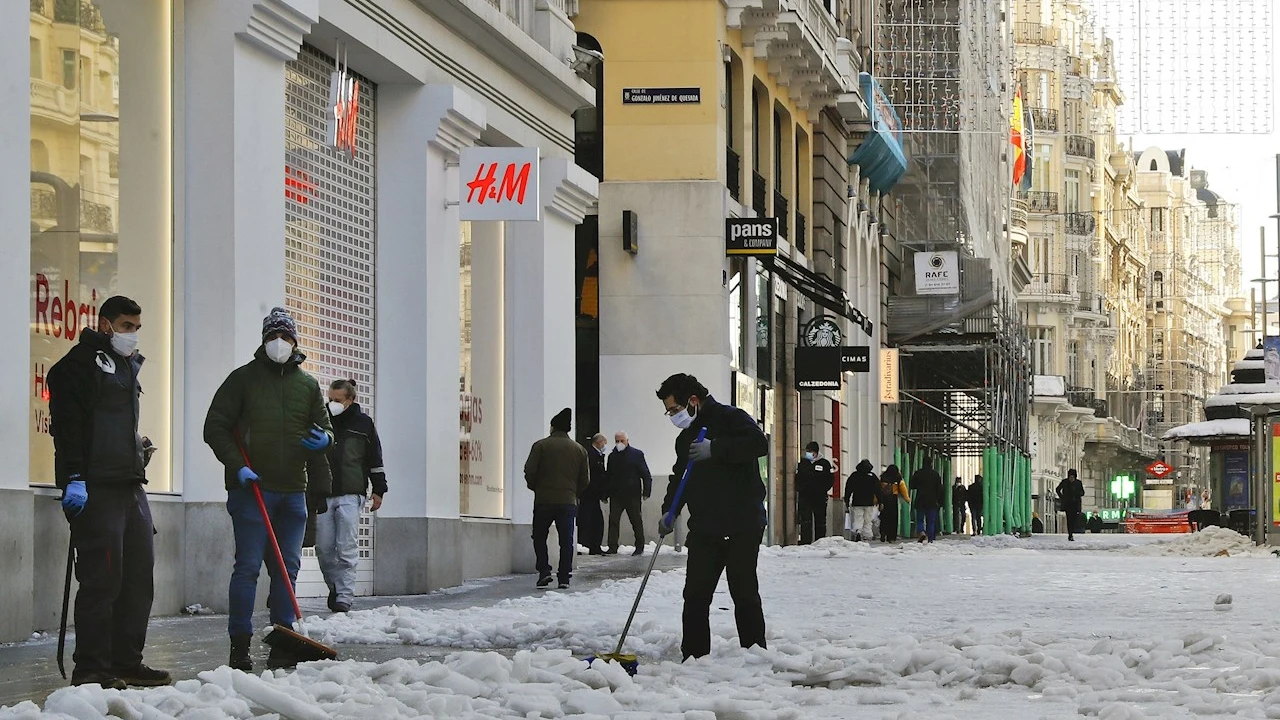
{"type": "Point", "coordinates": [317, 440]}
{"type": "Point", "coordinates": [75, 497]}
{"type": "Point", "coordinates": [700, 451]}
{"type": "Point", "coordinates": [665, 529]}
{"type": "Point", "coordinates": [246, 476]}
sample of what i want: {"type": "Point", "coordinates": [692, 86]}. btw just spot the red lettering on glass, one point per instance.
{"type": "Point", "coordinates": [62, 317]}
{"type": "Point", "coordinates": [514, 185]}
{"type": "Point", "coordinates": [297, 185]}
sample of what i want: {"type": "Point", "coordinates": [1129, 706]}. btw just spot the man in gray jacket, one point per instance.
{"type": "Point", "coordinates": [557, 473]}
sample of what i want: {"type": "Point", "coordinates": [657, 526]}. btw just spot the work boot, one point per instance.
{"type": "Point", "coordinates": [106, 680]}
{"type": "Point", "coordinates": [637, 551]}
{"type": "Point", "coordinates": [544, 582]}
{"type": "Point", "coordinates": [333, 598]}
{"type": "Point", "coordinates": [611, 551]}
{"type": "Point", "coordinates": [143, 676]}
{"type": "Point", "coordinates": [240, 653]}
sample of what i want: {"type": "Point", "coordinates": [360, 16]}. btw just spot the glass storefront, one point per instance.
{"type": "Point", "coordinates": [101, 192]}
{"type": "Point", "coordinates": [481, 260]}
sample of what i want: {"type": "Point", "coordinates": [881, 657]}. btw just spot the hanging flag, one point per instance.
{"type": "Point", "coordinates": [1015, 137]}
{"type": "Point", "coordinates": [1028, 148]}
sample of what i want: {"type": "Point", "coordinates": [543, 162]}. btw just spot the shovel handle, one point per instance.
{"type": "Point", "coordinates": [675, 502]}
{"type": "Point", "coordinates": [271, 534]}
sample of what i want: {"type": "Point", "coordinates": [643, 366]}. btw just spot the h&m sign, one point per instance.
{"type": "Point", "coordinates": [751, 236]}
{"type": "Point", "coordinates": [499, 183]}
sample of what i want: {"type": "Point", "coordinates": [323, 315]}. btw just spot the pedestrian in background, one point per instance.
{"type": "Point", "coordinates": [815, 476]}
{"type": "Point", "coordinates": [630, 485]}
{"type": "Point", "coordinates": [892, 489]}
{"type": "Point", "coordinates": [590, 516]}
{"type": "Point", "coordinates": [926, 483]}
{"type": "Point", "coordinates": [355, 462]}
{"type": "Point", "coordinates": [273, 412]}
{"type": "Point", "coordinates": [1071, 495]}
{"type": "Point", "coordinates": [725, 496]}
{"type": "Point", "coordinates": [557, 473]}
{"type": "Point", "coordinates": [958, 497]}
{"type": "Point", "coordinates": [974, 497]}
{"type": "Point", "coordinates": [100, 466]}
{"type": "Point", "coordinates": [861, 497]}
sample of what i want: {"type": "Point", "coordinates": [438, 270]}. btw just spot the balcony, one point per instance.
{"type": "Point", "coordinates": [1080, 146]}
{"type": "Point", "coordinates": [1018, 215]}
{"type": "Point", "coordinates": [44, 205]}
{"type": "Point", "coordinates": [95, 217]}
{"type": "Point", "coordinates": [801, 231]}
{"type": "Point", "coordinates": [733, 173]}
{"type": "Point", "coordinates": [1044, 119]}
{"type": "Point", "coordinates": [54, 102]}
{"type": "Point", "coordinates": [1052, 286]}
{"type": "Point", "coordinates": [1082, 397]}
{"type": "Point", "coordinates": [1039, 201]}
{"type": "Point", "coordinates": [1029, 33]}
{"type": "Point", "coordinates": [801, 42]}
{"type": "Point", "coordinates": [780, 207]}
{"type": "Point", "coordinates": [1078, 223]}
{"type": "Point", "coordinates": [759, 194]}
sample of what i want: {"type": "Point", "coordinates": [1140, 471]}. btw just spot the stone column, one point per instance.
{"type": "Point", "coordinates": [421, 130]}
{"type": "Point", "coordinates": [231, 255]}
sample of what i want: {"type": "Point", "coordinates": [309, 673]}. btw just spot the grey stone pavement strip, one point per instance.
{"type": "Point", "coordinates": [188, 645]}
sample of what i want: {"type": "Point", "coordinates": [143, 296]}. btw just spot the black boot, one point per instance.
{"type": "Point", "coordinates": [240, 653]}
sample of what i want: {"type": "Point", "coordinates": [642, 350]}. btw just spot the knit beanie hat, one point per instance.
{"type": "Point", "coordinates": [562, 421]}
{"type": "Point", "coordinates": [279, 321]}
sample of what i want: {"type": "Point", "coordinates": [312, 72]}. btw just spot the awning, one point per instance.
{"type": "Point", "coordinates": [880, 156]}
{"type": "Point", "coordinates": [818, 289]}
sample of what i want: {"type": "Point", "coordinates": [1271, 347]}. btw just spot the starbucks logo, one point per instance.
{"type": "Point", "coordinates": [823, 332]}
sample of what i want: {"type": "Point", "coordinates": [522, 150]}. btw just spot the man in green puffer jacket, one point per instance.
{"type": "Point", "coordinates": [275, 411]}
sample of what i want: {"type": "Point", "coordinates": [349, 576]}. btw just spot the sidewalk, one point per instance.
{"type": "Point", "coordinates": [187, 645]}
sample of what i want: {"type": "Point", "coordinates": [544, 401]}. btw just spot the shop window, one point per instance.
{"type": "Point", "coordinates": [480, 373]}
{"type": "Point", "coordinates": [764, 316]}
{"type": "Point", "coordinates": [81, 253]}
{"type": "Point", "coordinates": [737, 311]}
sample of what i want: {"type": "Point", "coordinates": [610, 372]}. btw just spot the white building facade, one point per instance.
{"type": "Point", "coordinates": [179, 153]}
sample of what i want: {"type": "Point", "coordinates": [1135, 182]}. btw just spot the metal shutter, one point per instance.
{"type": "Point", "coordinates": [330, 246]}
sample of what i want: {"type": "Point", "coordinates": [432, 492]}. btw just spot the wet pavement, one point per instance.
{"type": "Point", "coordinates": [188, 645]}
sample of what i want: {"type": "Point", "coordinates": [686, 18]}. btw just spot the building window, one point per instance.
{"type": "Point", "coordinates": [1157, 345]}
{"type": "Point", "coordinates": [756, 150]}
{"type": "Point", "coordinates": [1073, 360]}
{"type": "Point", "coordinates": [1157, 218]}
{"type": "Point", "coordinates": [1073, 192]}
{"type": "Point", "coordinates": [1042, 338]}
{"type": "Point", "coordinates": [80, 253]}
{"type": "Point", "coordinates": [737, 312]}
{"type": "Point", "coordinates": [764, 315]}
{"type": "Point", "coordinates": [481, 374]}
{"type": "Point", "coordinates": [777, 151]}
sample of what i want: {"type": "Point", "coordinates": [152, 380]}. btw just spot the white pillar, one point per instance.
{"type": "Point", "coordinates": [541, 320]}
{"type": "Point", "coordinates": [231, 205]}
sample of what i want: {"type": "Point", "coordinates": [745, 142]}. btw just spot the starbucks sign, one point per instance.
{"type": "Point", "coordinates": [822, 331]}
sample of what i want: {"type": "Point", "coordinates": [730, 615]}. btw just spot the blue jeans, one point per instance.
{"type": "Point", "coordinates": [929, 523]}
{"type": "Point", "coordinates": [563, 516]}
{"type": "Point", "coordinates": [288, 512]}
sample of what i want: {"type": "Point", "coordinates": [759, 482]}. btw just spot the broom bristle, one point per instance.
{"type": "Point", "coordinates": [299, 645]}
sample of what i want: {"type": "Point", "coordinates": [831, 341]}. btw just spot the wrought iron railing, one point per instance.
{"type": "Point", "coordinates": [95, 216]}
{"type": "Point", "coordinates": [780, 211]}
{"type": "Point", "coordinates": [801, 231]}
{"type": "Point", "coordinates": [1040, 201]}
{"type": "Point", "coordinates": [759, 194]}
{"type": "Point", "coordinates": [1080, 146]}
{"type": "Point", "coordinates": [1051, 284]}
{"type": "Point", "coordinates": [1030, 33]}
{"type": "Point", "coordinates": [733, 172]}
{"type": "Point", "coordinates": [1079, 223]}
{"type": "Point", "coordinates": [44, 204]}
{"type": "Point", "coordinates": [1044, 119]}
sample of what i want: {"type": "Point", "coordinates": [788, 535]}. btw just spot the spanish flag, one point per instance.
{"type": "Point", "coordinates": [1015, 137]}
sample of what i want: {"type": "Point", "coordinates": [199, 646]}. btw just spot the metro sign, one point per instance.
{"type": "Point", "coordinates": [1159, 469]}
{"type": "Point", "coordinates": [499, 183]}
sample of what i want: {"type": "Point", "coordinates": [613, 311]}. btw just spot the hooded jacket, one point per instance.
{"type": "Point", "coordinates": [862, 486]}
{"type": "Point", "coordinates": [272, 407]}
{"type": "Point", "coordinates": [94, 399]}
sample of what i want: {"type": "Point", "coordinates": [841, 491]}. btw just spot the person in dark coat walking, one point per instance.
{"type": "Point", "coordinates": [630, 484]}
{"type": "Point", "coordinates": [958, 496]}
{"type": "Point", "coordinates": [892, 488]}
{"type": "Point", "coordinates": [815, 476]}
{"type": "Point", "coordinates": [861, 495]}
{"type": "Point", "coordinates": [926, 483]}
{"type": "Point", "coordinates": [590, 516]}
{"type": "Point", "coordinates": [725, 497]}
{"type": "Point", "coordinates": [100, 465]}
{"type": "Point", "coordinates": [975, 499]}
{"type": "Point", "coordinates": [557, 471]}
{"type": "Point", "coordinates": [1071, 495]}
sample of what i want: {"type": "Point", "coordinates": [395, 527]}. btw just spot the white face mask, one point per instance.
{"type": "Point", "coordinates": [279, 350]}
{"type": "Point", "coordinates": [682, 419]}
{"type": "Point", "coordinates": [124, 343]}
{"type": "Point", "coordinates": [336, 408]}
{"type": "Point", "coordinates": [620, 447]}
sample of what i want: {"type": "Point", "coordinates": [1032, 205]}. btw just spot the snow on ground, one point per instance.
{"type": "Point", "coordinates": [1114, 627]}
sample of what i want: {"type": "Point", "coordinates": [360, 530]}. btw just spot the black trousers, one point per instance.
{"type": "Point", "coordinates": [1073, 521]}
{"type": "Point", "coordinates": [889, 521]}
{"type": "Point", "coordinates": [590, 524]}
{"type": "Point", "coordinates": [957, 518]}
{"type": "Point", "coordinates": [113, 539]}
{"type": "Point", "coordinates": [975, 516]}
{"type": "Point", "coordinates": [710, 556]}
{"type": "Point", "coordinates": [630, 504]}
{"type": "Point", "coordinates": [812, 516]}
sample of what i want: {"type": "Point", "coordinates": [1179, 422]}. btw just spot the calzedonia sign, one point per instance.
{"type": "Point", "coordinates": [751, 236]}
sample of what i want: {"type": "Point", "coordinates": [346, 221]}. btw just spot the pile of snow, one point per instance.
{"type": "Point", "coordinates": [1209, 542]}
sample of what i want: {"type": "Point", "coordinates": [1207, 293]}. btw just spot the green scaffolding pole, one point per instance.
{"type": "Point", "coordinates": [944, 522]}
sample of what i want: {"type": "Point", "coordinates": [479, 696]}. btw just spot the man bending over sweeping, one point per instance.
{"type": "Point", "coordinates": [725, 496]}
{"type": "Point", "coordinates": [275, 409]}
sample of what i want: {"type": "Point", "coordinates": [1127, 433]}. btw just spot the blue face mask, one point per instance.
{"type": "Point", "coordinates": [809, 456]}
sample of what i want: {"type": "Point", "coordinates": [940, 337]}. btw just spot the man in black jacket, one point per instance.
{"type": "Point", "coordinates": [355, 460]}
{"type": "Point", "coordinates": [974, 497]}
{"type": "Point", "coordinates": [630, 483]}
{"type": "Point", "coordinates": [814, 478]}
{"type": "Point", "coordinates": [99, 463]}
{"type": "Point", "coordinates": [958, 497]}
{"type": "Point", "coordinates": [590, 516]}
{"type": "Point", "coordinates": [860, 495]}
{"type": "Point", "coordinates": [926, 483]}
{"type": "Point", "coordinates": [725, 496]}
{"type": "Point", "coordinates": [1071, 494]}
